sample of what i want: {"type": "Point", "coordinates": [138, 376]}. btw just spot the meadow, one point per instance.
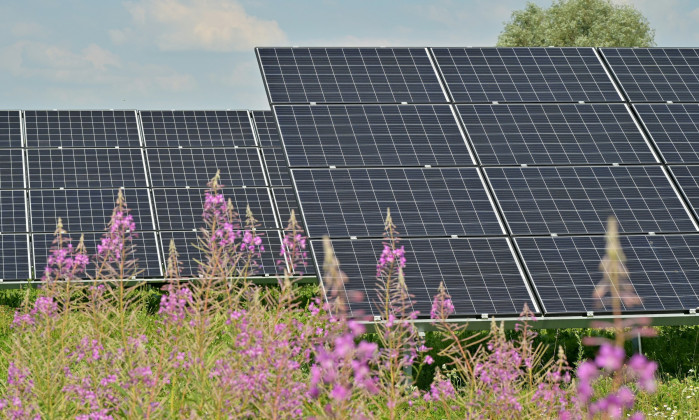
{"type": "Point", "coordinates": [223, 347]}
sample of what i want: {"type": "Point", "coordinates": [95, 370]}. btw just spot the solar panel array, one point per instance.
{"type": "Point", "coordinates": [501, 179]}
{"type": "Point", "coordinates": [70, 165]}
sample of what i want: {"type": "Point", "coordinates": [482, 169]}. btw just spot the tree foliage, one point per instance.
{"type": "Point", "coordinates": [579, 23]}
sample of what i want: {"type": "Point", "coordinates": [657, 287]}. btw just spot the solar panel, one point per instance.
{"type": "Point", "coordinates": [146, 252]}
{"type": "Point", "coordinates": [674, 129]}
{"type": "Point", "coordinates": [565, 270]}
{"type": "Point", "coordinates": [85, 210]}
{"type": "Point", "coordinates": [277, 168]}
{"type": "Point", "coordinates": [372, 135]}
{"type": "Point", "coordinates": [13, 216]}
{"type": "Point", "coordinates": [14, 253]}
{"type": "Point", "coordinates": [186, 244]}
{"type": "Point", "coordinates": [688, 179]}
{"type": "Point", "coordinates": [423, 202]}
{"type": "Point", "coordinates": [82, 129]}
{"type": "Point", "coordinates": [285, 201]}
{"type": "Point", "coordinates": [11, 169]}
{"type": "Point", "coordinates": [86, 168]}
{"type": "Point", "coordinates": [555, 134]}
{"type": "Point", "coordinates": [181, 209]}
{"type": "Point", "coordinates": [579, 199]}
{"type": "Point", "coordinates": [525, 75]}
{"type": "Point", "coordinates": [10, 129]}
{"type": "Point", "coordinates": [656, 74]}
{"type": "Point", "coordinates": [480, 274]}
{"type": "Point", "coordinates": [195, 167]}
{"type": "Point", "coordinates": [266, 127]}
{"type": "Point", "coordinates": [197, 129]}
{"type": "Point", "coordinates": [349, 75]}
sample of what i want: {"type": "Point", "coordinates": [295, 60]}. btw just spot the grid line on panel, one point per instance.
{"type": "Point", "coordinates": [423, 202]}
{"type": "Point", "coordinates": [186, 242]}
{"type": "Point", "coordinates": [14, 252]}
{"type": "Point", "coordinates": [565, 271]}
{"type": "Point", "coordinates": [13, 216]}
{"type": "Point", "coordinates": [197, 129]}
{"type": "Point", "coordinates": [674, 128]}
{"type": "Point", "coordinates": [656, 74]}
{"type": "Point", "coordinates": [555, 134]}
{"type": "Point", "coordinates": [85, 168]}
{"type": "Point", "coordinates": [182, 209]}
{"type": "Point", "coordinates": [85, 210]}
{"type": "Point", "coordinates": [372, 135]}
{"type": "Point", "coordinates": [349, 75]}
{"type": "Point", "coordinates": [195, 167]}
{"type": "Point", "coordinates": [10, 129]}
{"type": "Point", "coordinates": [480, 274]}
{"type": "Point", "coordinates": [81, 129]}
{"type": "Point", "coordinates": [146, 252]}
{"type": "Point", "coordinates": [534, 74]}
{"type": "Point", "coordinates": [578, 200]}
{"type": "Point", "coordinates": [11, 169]}
{"type": "Point", "coordinates": [266, 127]}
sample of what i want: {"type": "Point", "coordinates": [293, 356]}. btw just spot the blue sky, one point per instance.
{"type": "Point", "coordinates": [198, 54]}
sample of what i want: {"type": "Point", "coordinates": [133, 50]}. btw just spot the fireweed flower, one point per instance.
{"type": "Point", "coordinates": [175, 304]}
{"type": "Point", "coordinates": [19, 398]}
{"type": "Point", "coordinates": [64, 261]}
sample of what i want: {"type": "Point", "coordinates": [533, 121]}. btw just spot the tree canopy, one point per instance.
{"type": "Point", "coordinates": [579, 23]}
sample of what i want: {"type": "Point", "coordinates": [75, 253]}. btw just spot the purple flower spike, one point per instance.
{"type": "Point", "coordinates": [610, 357]}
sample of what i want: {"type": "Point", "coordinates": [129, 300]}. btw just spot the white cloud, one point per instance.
{"type": "Point", "coordinates": [213, 25]}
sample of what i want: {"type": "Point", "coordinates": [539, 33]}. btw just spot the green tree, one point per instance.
{"type": "Point", "coordinates": [579, 23]}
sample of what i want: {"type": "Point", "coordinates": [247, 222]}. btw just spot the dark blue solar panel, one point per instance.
{"type": "Point", "coordinates": [181, 209]}
{"type": "Point", "coordinates": [197, 129]}
{"type": "Point", "coordinates": [349, 75]}
{"type": "Point", "coordinates": [86, 168]}
{"type": "Point", "coordinates": [186, 244]}
{"type": "Point", "coordinates": [277, 168]}
{"type": "Point", "coordinates": [555, 134]}
{"type": "Point", "coordinates": [85, 210]}
{"type": "Point", "coordinates": [13, 215]}
{"type": "Point", "coordinates": [146, 252]}
{"type": "Point", "coordinates": [285, 201]}
{"type": "Point", "coordinates": [423, 202]}
{"type": "Point", "coordinates": [674, 129]}
{"type": "Point", "coordinates": [372, 135]}
{"type": "Point", "coordinates": [195, 167]}
{"type": "Point", "coordinates": [11, 169]}
{"type": "Point", "coordinates": [656, 74]}
{"type": "Point", "coordinates": [688, 179]}
{"type": "Point", "coordinates": [266, 127]}
{"type": "Point", "coordinates": [525, 75]}
{"type": "Point", "coordinates": [579, 199]}
{"type": "Point", "coordinates": [14, 253]}
{"type": "Point", "coordinates": [480, 274]}
{"type": "Point", "coordinates": [81, 129]}
{"type": "Point", "coordinates": [10, 129]}
{"type": "Point", "coordinates": [662, 269]}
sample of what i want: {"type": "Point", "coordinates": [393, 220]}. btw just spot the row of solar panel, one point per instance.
{"type": "Point", "coordinates": [474, 75]}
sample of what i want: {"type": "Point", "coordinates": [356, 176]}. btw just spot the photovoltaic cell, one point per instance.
{"type": "Point", "coordinates": [554, 134]}
{"type": "Point", "coordinates": [423, 202]}
{"type": "Point", "coordinates": [480, 274]}
{"type": "Point", "coordinates": [85, 210]}
{"type": "Point", "coordinates": [146, 252]}
{"type": "Point", "coordinates": [10, 129]}
{"type": "Point", "coordinates": [14, 253]}
{"type": "Point", "coordinates": [548, 200]}
{"type": "Point", "coordinates": [525, 75]}
{"type": "Point", "coordinates": [195, 167]}
{"type": "Point", "coordinates": [86, 168]}
{"type": "Point", "coordinates": [197, 129]}
{"type": "Point", "coordinates": [13, 216]}
{"type": "Point", "coordinates": [663, 271]}
{"type": "Point", "coordinates": [674, 129]}
{"type": "Point", "coordinates": [656, 74]}
{"type": "Point", "coordinates": [277, 168]}
{"type": "Point", "coordinates": [81, 129]}
{"type": "Point", "coordinates": [181, 209]}
{"type": "Point", "coordinates": [349, 75]}
{"type": "Point", "coordinates": [372, 135]}
{"type": "Point", "coordinates": [688, 179]}
{"type": "Point", "coordinates": [186, 242]}
{"type": "Point", "coordinates": [266, 127]}
{"type": "Point", "coordinates": [11, 169]}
